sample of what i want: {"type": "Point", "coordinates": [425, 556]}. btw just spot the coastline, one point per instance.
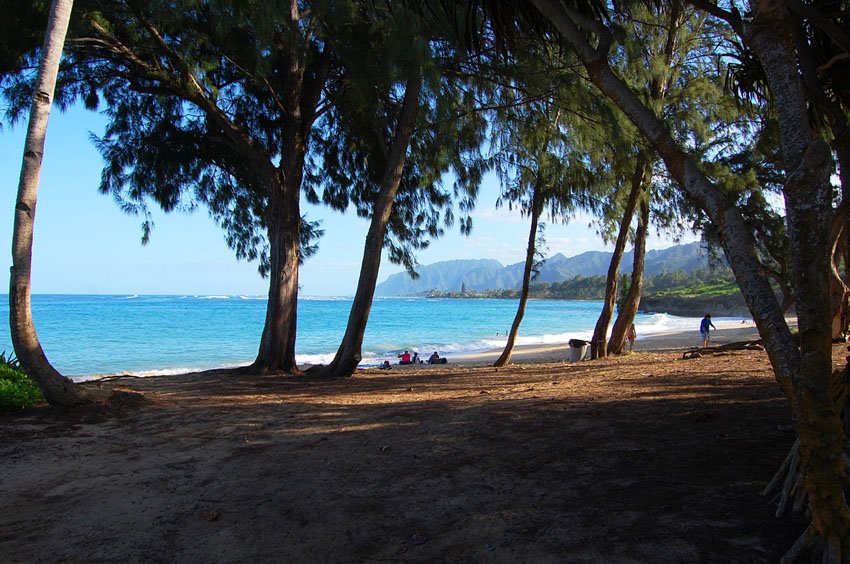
{"type": "Point", "coordinates": [726, 332]}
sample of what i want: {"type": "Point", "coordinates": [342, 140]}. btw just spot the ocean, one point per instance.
{"type": "Point", "coordinates": [85, 335]}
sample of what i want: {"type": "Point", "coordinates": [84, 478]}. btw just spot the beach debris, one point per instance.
{"type": "Point", "coordinates": [211, 515]}
{"type": "Point", "coordinates": [724, 349]}
{"type": "Point", "coordinates": [416, 539]}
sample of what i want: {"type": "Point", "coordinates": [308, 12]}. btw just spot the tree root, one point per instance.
{"type": "Point", "coordinates": [803, 544]}
{"type": "Point", "coordinates": [809, 543]}
{"type": "Point", "coordinates": [787, 490]}
{"type": "Point", "coordinates": [786, 485]}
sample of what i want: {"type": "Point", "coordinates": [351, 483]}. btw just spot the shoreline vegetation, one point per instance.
{"type": "Point", "coordinates": [679, 293]}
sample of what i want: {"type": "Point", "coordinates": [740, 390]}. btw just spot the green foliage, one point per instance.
{"type": "Point", "coordinates": [701, 290]}
{"type": "Point", "coordinates": [699, 283]}
{"type": "Point", "coordinates": [17, 390]}
{"type": "Point", "coordinates": [352, 138]}
{"type": "Point", "coordinates": [10, 361]}
{"type": "Point", "coordinates": [22, 30]}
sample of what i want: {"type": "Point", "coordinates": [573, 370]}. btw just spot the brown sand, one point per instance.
{"type": "Point", "coordinates": [640, 458]}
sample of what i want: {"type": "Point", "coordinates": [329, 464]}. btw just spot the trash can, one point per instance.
{"type": "Point", "coordinates": [577, 350]}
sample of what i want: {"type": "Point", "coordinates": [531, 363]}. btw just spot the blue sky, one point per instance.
{"type": "Point", "coordinates": [83, 243]}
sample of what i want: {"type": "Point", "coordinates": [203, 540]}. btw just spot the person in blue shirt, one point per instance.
{"type": "Point", "coordinates": [704, 329]}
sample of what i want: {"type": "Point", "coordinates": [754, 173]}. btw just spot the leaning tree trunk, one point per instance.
{"type": "Point", "coordinates": [57, 390]}
{"type": "Point", "coordinates": [536, 210]}
{"type": "Point", "coordinates": [349, 353]}
{"type": "Point", "coordinates": [626, 315]}
{"type": "Point", "coordinates": [657, 91]}
{"type": "Point", "coordinates": [802, 371]}
{"type": "Point", "coordinates": [600, 332]}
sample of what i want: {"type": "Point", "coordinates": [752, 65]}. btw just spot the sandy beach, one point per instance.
{"type": "Point", "coordinates": [644, 457]}
{"type": "Point", "coordinates": [726, 332]}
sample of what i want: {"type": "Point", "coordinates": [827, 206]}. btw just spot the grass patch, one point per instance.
{"type": "Point", "coordinates": [17, 390]}
{"type": "Point", "coordinates": [701, 290]}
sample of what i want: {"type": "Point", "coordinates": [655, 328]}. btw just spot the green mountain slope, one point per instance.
{"type": "Point", "coordinates": [489, 274]}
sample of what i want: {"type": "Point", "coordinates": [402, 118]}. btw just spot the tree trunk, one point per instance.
{"type": "Point", "coordinates": [300, 99]}
{"type": "Point", "coordinates": [841, 316]}
{"type": "Point", "coordinates": [808, 202]}
{"type": "Point", "coordinates": [600, 332]}
{"type": "Point", "coordinates": [277, 344]}
{"type": "Point", "coordinates": [839, 293]}
{"type": "Point", "coordinates": [57, 390]}
{"type": "Point", "coordinates": [626, 316]}
{"type": "Point", "coordinates": [536, 210]}
{"type": "Point", "coordinates": [349, 353]}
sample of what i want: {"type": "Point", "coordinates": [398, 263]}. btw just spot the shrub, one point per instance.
{"type": "Point", "coordinates": [17, 390]}
{"type": "Point", "coordinates": [11, 360]}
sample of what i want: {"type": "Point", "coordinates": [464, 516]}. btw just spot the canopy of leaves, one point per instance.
{"type": "Point", "coordinates": [356, 132]}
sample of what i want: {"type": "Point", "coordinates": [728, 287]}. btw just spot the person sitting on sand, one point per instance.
{"type": "Point", "coordinates": [405, 358]}
{"type": "Point", "coordinates": [435, 359]}
{"type": "Point", "coordinates": [704, 329]}
{"type": "Point", "coordinates": [416, 358]}
{"type": "Point", "coordinates": [386, 365]}
{"type": "Point", "coordinates": [631, 336]}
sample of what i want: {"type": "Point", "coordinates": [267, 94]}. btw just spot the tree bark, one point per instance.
{"type": "Point", "coordinates": [349, 353]}
{"type": "Point", "coordinates": [600, 331]}
{"type": "Point", "coordinates": [277, 344]}
{"type": "Point", "coordinates": [626, 316]}
{"type": "Point", "coordinates": [531, 249]}
{"type": "Point", "coordinates": [58, 390]}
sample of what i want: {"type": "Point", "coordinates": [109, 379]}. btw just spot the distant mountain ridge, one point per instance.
{"type": "Point", "coordinates": [490, 274]}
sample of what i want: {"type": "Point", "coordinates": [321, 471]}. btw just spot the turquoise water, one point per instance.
{"type": "Point", "coordinates": [146, 335]}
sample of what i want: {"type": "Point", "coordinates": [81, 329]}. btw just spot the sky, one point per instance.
{"type": "Point", "coordinates": [84, 244]}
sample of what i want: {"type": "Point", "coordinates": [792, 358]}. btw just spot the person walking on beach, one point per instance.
{"type": "Point", "coordinates": [631, 336]}
{"type": "Point", "coordinates": [704, 329]}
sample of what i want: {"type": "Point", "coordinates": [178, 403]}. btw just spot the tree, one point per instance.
{"type": "Point", "coordinates": [534, 234]}
{"type": "Point", "coordinates": [349, 353]}
{"type": "Point", "coordinates": [386, 149]}
{"type": "Point", "coordinates": [538, 113]}
{"type": "Point", "coordinates": [804, 372]}
{"type": "Point", "coordinates": [57, 389]}
{"type": "Point", "coordinates": [803, 368]}
{"type": "Point", "coordinates": [215, 102]}
{"type": "Point", "coordinates": [626, 313]}
{"type": "Point", "coordinates": [636, 193]}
